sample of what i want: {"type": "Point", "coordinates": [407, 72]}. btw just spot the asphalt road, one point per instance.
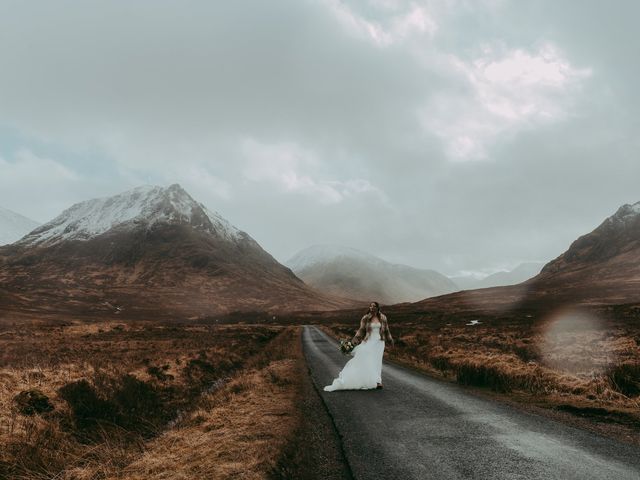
{"type": "Point", "coordinates": [419, 427]}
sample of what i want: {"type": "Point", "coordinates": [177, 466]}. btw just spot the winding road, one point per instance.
{"type": "Point", "coordinates": [419, 427]}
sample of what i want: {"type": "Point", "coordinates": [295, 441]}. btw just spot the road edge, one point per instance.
{"type": "Point", "coordinates": [316, 388]}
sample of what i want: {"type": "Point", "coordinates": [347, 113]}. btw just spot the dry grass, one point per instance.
{"type": "Point", "coordinates": [144, 401]}
{"type": "Point", "coordinates": [238, 436]}
{"type": "Point", "coordinates": [237, 432]}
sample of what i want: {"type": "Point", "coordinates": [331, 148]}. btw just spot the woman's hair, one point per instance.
{"type": "Point", "coordinates": [378, 312]}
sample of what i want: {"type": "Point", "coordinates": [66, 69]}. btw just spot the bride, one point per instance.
{"type": "Point", "coordinates": [364, 370]}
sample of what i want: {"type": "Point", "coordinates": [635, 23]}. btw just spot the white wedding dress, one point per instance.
{"type": "Point", "coordinates": [364, 370]}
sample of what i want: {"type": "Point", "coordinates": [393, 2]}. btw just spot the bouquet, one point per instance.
{"type": "Point", "coordinates": [346, 346]}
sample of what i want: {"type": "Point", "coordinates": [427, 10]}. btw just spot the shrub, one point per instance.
{"type": "Point", "coordinates": [158, 373]}
{"type": "Point", "coordinates": [5, 469]}
{"type": "Point", "coordinates": [625, 379]}
{"type": "Point", "coordinates": [442, 363]}
{"type": "Point", "coordinates": [33, 401]}
{"type": "Point", "coordinates": [527, 353]}
{"type": "Point", "coordinates": [125, 402]}
{"type": "Point", "coordinates": [480, 375]}
{"type": "Point", "coordinates": [140, 405]}
{"type": "Point", "coordinates": [87, 407]}
{"type": "Point", "coordinates": [200, 372]}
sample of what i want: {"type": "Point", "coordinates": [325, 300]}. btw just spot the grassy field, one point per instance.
{"type": "Point", "coordinates": [571, 361]}
{"type": "Point", "coordinates": [140, 400]}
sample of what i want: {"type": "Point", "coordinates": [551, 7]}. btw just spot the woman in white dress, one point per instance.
{"type": "Point", "coordinates": [364, 370]}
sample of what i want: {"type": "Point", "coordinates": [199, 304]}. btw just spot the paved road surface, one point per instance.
{"type": "Point", "coordinates": [419, 427]}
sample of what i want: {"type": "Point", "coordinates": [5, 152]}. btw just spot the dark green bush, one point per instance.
{"type": "Point", "coordinates": [482, 376]}
{"type": "Point", "coordinates": [87, 407]}
{"type": "Point", "coordinates": [126, 402]}
{"type": "Point", "coordinates": [32, 402]}
{"type": "Point", "coordinates": [441, 363]}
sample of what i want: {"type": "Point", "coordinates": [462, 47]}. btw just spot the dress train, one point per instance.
{"type": "Point", "coordinates": [364, 370]}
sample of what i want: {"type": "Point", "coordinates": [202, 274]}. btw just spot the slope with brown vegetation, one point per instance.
{"type": "Point", "coordinates": [267, 422]}
{"type": "Point", "coordinates": [237, 431]}
{"type": "Point", "coordinates": [115, 400]}
{"type": "Point", "coordinates": [148, 252]}
{"type": "Point", "coordinates": [159, 400]}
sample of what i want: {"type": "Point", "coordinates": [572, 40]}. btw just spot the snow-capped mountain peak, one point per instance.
{"type": "Point", "coordinates": [145, 205]}
{"type": "Point", "coordinates": [627, 212]}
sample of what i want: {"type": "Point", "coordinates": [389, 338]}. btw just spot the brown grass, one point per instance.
{"type": "Point", "coordinates": [145, 401]}
{"type": "Point", "coordinates": [237, 433]}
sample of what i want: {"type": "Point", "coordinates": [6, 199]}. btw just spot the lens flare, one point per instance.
{"type": "Point", "coordinates": [576, 341]}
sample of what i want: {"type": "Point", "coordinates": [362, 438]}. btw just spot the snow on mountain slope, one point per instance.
{"type": "Point", "coordinates": [142, 205]}
{"type": "Point", "coordinates": [14, 226]}
{"type": "Point", "coordinates": [627, 211]}
{"type": "Point", "coordinates": [153, 251]}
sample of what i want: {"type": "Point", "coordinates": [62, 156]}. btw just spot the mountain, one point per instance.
{"type": "Point", "coordinates": [149, 250]}
{"type": "Point", "coordinates": [351, 273]}
{"type": "Point", "coordinates": [14, 226]}
{"type": "Point", "coordinates": [602, 266]}
{"type": "Point", "coordinates": [521, 273]}
{"type": "Point", "coordinates": [617, 237]}
{"type": "Point", "coordinates": [599, 268]}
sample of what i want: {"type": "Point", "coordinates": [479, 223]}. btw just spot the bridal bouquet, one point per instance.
{"type": "Point", "coordinates": [346, 346]}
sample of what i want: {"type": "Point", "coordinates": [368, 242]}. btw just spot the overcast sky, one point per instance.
{"type": "Point", "coordinates": [464, 136]}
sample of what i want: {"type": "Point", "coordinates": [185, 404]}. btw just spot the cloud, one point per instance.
{"type": "Point", "coordinates": [416, 20]}
{"type": "Point", "coordinates": [508, 90]}
{"type": "Point", "coordinates": [295, 170]}
{"type": "Point", "coordinates": [200, 179]}
{"type": "Point", "coordinates": [358, 119]}
{"type": "Point", "coordinates": [25, 163]}
{"type": "Point", "coordinates": [36, 186]}
{"type": "Point", "coordinates": [412, 19]}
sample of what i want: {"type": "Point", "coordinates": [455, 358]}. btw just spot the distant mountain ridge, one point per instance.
{"type": "Point", "coordinates": [14, 226]}
{"type": "Point", "coordinates": [151, 250]}
{"type": "Point", "coordinates": [322, 253]}
{"type": "Point", "coordinates": [349, 272]}
{"type": "Point", "coordinates": [521, 273]}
